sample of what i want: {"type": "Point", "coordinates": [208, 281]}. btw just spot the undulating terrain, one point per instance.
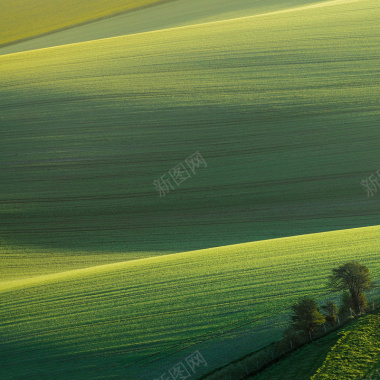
{"type": "Point", "coordinates": [104, 277]}
{"type": "Point", "coordinates": [24, 19]}
{"type": "Point", "coordinates": [136, 319]}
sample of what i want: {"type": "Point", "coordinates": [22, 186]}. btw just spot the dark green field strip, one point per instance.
{"type": "Point", "coordinates": [286, 117]}
{"type": "Point", "coordinates": [303, 363]}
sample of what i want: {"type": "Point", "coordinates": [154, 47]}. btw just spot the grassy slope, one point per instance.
{"type": "Point", "coordinates": [80, 318]}
{"type": "Point", "coordinates": [169, 14]}
{"type": "Point", "coordinates": [25, 262]}
{"type": "Point", "coordinates": [352, 353]}
{"type": "Point", "coordinates": [356, 354]}
{"type": "Point", "coordinates": [284, 108]}
{"type": "Point", "coordinates": [132, 319]}
{"type": "Point", "coordinates": [26, 18]}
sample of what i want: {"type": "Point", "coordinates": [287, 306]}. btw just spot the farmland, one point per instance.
{"type": "Point", "coordinates": [136, 318]}
{"type": "Point", "coordinates": [22, 19]}
{"type": "Point", "coordinates": [288, 134]}
{"type": "Point", "coordinates": [169, 14]}
{"type": "Point", "coordinates": [103, 278]}
{"type": "Point", "coordinates": [358, 344]}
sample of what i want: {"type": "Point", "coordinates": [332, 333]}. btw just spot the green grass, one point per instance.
{"type": "Point", "coordinates": [284, 108]}
{"type": "Point", "coordinates": [356, 354]}
{"type": "Point", "coordinates": [136, 319]}
{"type": "Point", "coordinates": [21, 263]}
{"type": "Point", "coordinates": [27, 18]}
{"type": "Point", "coordinates": [352, 353]}
{"type": "Point", "coordinates": [169, 14]}
{"type": "Point", "coordinates": [301, 364]}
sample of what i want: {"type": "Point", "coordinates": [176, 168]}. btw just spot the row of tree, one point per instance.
{"type": "Point", "coordinates": [353, 279]}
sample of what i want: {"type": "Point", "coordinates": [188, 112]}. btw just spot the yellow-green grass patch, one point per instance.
{"type": "Point", "coordinates": [21, 19]}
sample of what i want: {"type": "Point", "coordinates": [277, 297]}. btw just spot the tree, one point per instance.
{"type": "Point", "coordinates": [354, 278]}
{"type": "Point", "coordinates": [306, 316]}
{"type": "Point", "coordinates": [330, 312]}
{"type": "Point", "coordinates": [345, 305]}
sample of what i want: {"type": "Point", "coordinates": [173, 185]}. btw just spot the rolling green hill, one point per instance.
{"type": "Point", "coordinates": [136, 319]}
{"type": "Point", "coordinates": [27, 18]}
{"type": "Point", "coordinates": [167, 15]}
{"type": "Point", "coordinates": [283, 108]}
{"type": "Point", "coordinates": [25, 262]}
{"type": "Point", "coordinates": [353, 353]}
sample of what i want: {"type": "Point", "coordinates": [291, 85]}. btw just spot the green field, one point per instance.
{"type": "Point", "coordinates": [358, 347]}
{"type": "Point", "coordinates": [285, 114]}
{"type": "Point", "coordinates": [22, 19]}
{"type": "Point", "coordinates": [353, 353]}
{"type": "Point", "coordinates": [137, 318]}
{"type": "Point", "coordinates": [21, 263]}
{"type": "Point", "coordinates": [100, 277]}
{"type": "Point", "coordinates": [167, 15]}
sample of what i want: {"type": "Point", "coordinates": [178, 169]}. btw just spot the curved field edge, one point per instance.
{"type": "Point", "coordinates": [26, 19]}
{"type": "Point", "coordinates": [169, 14]}
{"type": "Point", "coordinates": [284, 109]}
{"type": "Point", "coordinates": [18, 263]}
{"type": "Point", "coordinates": [136, 318]}
{"type": "Point", "coordinates": [356, 234]}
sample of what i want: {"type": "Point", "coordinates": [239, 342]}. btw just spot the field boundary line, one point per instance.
{"type": "Point", "coordinates": [321, 4]}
